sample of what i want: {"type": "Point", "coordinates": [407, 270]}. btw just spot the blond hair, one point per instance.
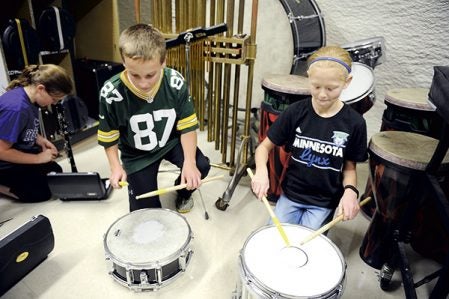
{"type": "Point", "coordinates": [333, 57]}
{"type": "Point", "coordinates": [142, 41]}
{"type": "Point", "coordinates": [55, 79]}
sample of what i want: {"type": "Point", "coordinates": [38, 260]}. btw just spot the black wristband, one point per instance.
{"type": "Point", "coordinates": [353, 189]}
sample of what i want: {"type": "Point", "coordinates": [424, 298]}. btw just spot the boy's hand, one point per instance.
{"type": "Point", "coordinates": [116, 176]}
{"type": "Point", "coordinates": [191, 176]}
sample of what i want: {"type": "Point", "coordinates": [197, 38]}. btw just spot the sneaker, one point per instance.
{"type": "Point", "coordinates": [184, 205]}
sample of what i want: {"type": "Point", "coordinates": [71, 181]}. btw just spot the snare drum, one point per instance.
{"type": "Point", "coordinates": [396, 171]}
{"type": "Point", "coordinates": [280, 92]}
{"type": "Point", "coordinates": [370, 51]}
{"type": "Point", "coordinates": [360, 92]}
{"type": "Point", "coordinates": [268, 269]}
{"type": "Point", "coordinates": [148, 248]}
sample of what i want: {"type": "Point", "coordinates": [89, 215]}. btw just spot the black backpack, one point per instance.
{"type": "Point", "coordinates": [20, 44]}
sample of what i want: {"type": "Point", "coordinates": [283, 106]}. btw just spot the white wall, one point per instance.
{"type": "Point", "coordinates": [416, 34]}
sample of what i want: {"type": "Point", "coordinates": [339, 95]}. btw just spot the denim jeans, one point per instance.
{"type": "Point", "coordinates": [309, 216]}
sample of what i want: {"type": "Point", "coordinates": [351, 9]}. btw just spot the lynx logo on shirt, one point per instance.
{"type": "Point", "coordinates": [340, 138]}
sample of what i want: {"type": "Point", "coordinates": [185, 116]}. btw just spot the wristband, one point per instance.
{"type": "Point", "coordinates": [353, 189]}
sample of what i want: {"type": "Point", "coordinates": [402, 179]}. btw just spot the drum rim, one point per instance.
{"type": "Point", "coordinates": [154, 264]}
{"type": "Point", "coordinates": [244, 267]}
{"type": "Point", "coordinates": [364, 43]}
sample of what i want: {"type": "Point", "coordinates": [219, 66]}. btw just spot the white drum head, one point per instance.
{"type": "Point", "coordinates": [146, 236]}
{"type": "Point", "coordinates": [264, 257]}
{"type": "Point", "coordinates": [412, 98]}
{"type": "Point", "coordinates": [361, 85]}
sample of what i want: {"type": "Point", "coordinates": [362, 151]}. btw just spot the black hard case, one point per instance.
{"type": "Point", "coordinates": [23, 249]}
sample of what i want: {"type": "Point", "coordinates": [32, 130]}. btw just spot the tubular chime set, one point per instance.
{"type": "Point", "coordinates": [215, 65]}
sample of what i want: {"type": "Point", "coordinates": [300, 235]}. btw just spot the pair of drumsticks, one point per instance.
{"type": "Point", "coordinates": [264, 200]}
{"type": "Point", "coordinates": [311, 236]}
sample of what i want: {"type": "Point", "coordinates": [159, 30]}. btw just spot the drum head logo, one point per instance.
{"type": "Point", "coordinates": [340, 138]}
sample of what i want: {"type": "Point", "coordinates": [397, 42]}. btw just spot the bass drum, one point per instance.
{"type": "Point", "coordinates": [308, 30]}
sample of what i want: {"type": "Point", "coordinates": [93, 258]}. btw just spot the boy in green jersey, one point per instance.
{"type": "Point", "coordinates": [147, 114]}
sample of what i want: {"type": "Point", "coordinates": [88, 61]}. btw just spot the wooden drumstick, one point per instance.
{"type": "Point", "coordinates": [123, 183]}
{"type": "Point", "coordinates": [329, 225]}
{"type": "Point", "coordinates": [273, 216]}
{"type": "Point", "coordinates": [174, 188]}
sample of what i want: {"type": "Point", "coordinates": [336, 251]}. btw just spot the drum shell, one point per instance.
{"type": "Point", "coordinates": [277, 98]}
{"type": "Point", "coordinates": [153, 273]}
{"type": "Point", "coordinates": [405, 119]}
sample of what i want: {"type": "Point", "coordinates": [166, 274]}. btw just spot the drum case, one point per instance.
{"type": "Point", "coordinates": [23, 249]}
{"type": "Point", "coordinates": [56, 29]}
{"type": "Point", "coordinates": [90, 76]}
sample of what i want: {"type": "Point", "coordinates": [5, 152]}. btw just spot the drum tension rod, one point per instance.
{"type": "Point", "coordinates": [291, 17]}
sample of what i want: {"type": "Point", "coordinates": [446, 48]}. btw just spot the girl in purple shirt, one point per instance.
{"type": "Point", "coordinates": [26, 156]}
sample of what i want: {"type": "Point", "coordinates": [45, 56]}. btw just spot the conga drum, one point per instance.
{"type": "Point", "coordinates": [409, 110]}
{"type": "Point", "coordinates": [397, 172]}
{"type": "Point", "coordinates": [280, 92]}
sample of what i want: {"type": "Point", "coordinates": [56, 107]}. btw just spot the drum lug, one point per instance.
{"type": "Point", "coordinates": [159, 275]}
{"type": "Point", "coordinates": [291, 17]}
{"type": "Point", "coordinates": [372, 97]}
{"type": "Point", "coordinates": [340, 290]}
{"type": "Point", "coordinates": [143, 278]}
{"type": "Point", "coordinates": [129, 276]}
{"type": "Point", "coordinates": [183, 259]}
{"type": "Point", "coordinates": [110, 265]}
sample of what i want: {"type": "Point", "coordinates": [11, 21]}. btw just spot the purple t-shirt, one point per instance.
{"type": "Point", "coordinates": [19, 121]}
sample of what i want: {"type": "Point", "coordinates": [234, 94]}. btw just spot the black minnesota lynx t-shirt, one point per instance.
{"type": "Point", "coordinates": [319, 147]}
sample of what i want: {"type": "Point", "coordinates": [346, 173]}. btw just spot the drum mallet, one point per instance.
{"type": "Point", "coordinates": [273, 216]}
{"type": "Point", "coordinates": [174, 188]}
{"type": "Point", "coordinates": [329, 225]}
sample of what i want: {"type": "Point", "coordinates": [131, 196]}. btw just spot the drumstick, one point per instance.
{"type": "Point", "coordinates": [273, 216]}
{"type": "Point", "coordinates": [174, 188]}
{"type": "Point", "coordinates": [123, 184]}
{"type": "Point", "coordinates": [329, 225]}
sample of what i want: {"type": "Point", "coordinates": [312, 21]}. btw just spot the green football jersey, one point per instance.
{"type": "Point", "coordinates": [144, 128]}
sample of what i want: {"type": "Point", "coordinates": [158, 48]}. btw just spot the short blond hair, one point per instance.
{"type": "Point", "coordinates": [142, 41]}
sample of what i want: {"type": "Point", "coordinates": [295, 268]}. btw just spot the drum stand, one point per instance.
{"type": "Point", "coordinates": [402, 234]}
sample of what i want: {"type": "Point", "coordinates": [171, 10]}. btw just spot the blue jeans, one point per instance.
{"type": "Point", "coordinates": [309, 216]}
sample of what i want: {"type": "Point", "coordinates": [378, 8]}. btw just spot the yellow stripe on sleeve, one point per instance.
{"type": "Point", "coordinates": [108, 137]}
{"type": "Point", "coordinates": [187, 122]}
